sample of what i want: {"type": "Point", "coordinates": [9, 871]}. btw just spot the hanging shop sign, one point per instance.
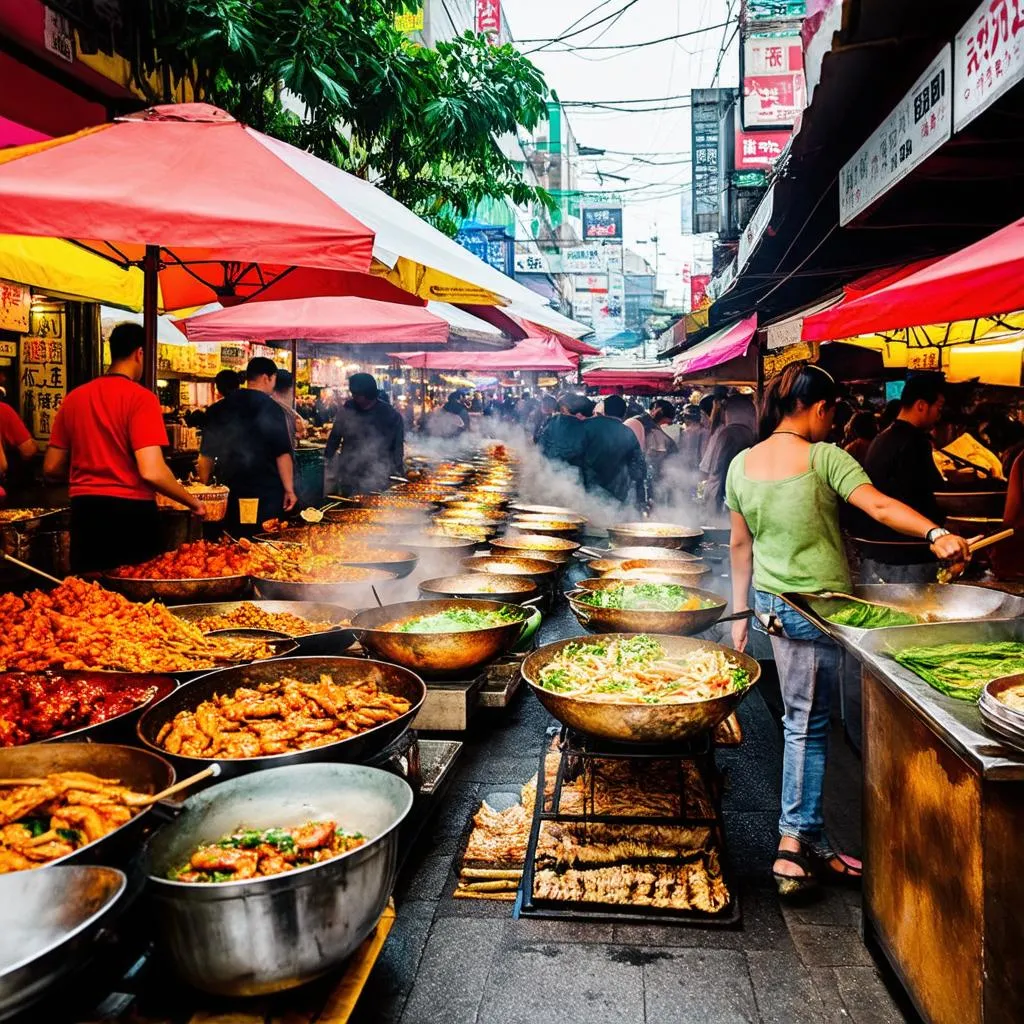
{"type": "Point", "coordinates": [588, 259]}
{"type": "Point", "coordinates": [233, 357]}
{"type": "Point", "coordinates": [988, 58]}
{"type": "Point", "coordinates": [593, 284]}
{"type": "Point", "coordinates": [756, 151]}
{"type": "Point", "coordinates": [488, 18]}
{"type": "Point", "coordinates": [920, 124]}
{"type": "Point", "coordinates": [43, 370]}
{"type": "Point", "coordinates": [755, 10]}
{"type": "Point", "coordinates": [775, 362]}
{"type": "Point", "coordinates": [756, 227]}
{"type": "Point", "coordinates": [699, 298]}
{"type": "Point", "coordinates": [57, 35]}
{"type": "Point", "coordinates": [8, 350]}
{"type": "Point", "coordinates": [15, 304]}
{"type": "Point", "coordinates": [923, 359]}
{"type": "Point", "coordinates": [531, 263]}
{"type": "Point", "coordinates": [706, 109]}
{"type": "Point", "coordinates": [608, 309]}
{"type": "Point", "coordinates": [774, 89]}
{"type": "Point", "coordinates": [602, 222]}
{"type": "Point", "coordinates": [408, 22]}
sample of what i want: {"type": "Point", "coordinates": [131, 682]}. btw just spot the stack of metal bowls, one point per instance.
{"type": "Point", "coordinates": [999, 717]}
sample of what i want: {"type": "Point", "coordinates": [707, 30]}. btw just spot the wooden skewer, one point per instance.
{"type": "Point", "coordinates": [995, 538]}
{"type": "Point", "coordinates": [142, 800]}
{"type": "Point", "coordinates": [31, 568]}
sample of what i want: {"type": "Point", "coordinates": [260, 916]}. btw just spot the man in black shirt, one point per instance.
{"type": "Point", "coordinates": [371, 436]}
{"type": "Point", "coordinates": [612, 458]}
{"type": "Point", "coordinates": [561, 437]}
{"type": "Point", "coordinates": [901, 465]}
{"type": "Point", "coordinates": [247, 441]}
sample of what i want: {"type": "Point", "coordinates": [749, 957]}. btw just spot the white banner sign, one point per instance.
{"type": "Point", "coordinates": [920, 124]}
{"type": "Point", "coordinates": [756, 228]}
{"type": "Point", "coordinates": [588, 259]}
{"type": "Point", "coordinates": [531, 263]}
{"type": "Point", "coordinates": [987, 58]}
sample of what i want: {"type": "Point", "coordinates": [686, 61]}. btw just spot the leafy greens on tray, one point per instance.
{"type": "Point", "coordinates": [962, 670]}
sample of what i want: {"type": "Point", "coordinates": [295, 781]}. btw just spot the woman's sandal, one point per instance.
{"type": "Point", "coordinates": [850, 877]}
{"type": "Point", "coordinates": [795, 887]}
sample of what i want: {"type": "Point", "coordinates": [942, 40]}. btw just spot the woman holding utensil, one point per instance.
{"type": "Point", "coordinates": [784, 496]}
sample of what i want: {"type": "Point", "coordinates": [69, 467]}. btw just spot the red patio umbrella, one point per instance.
{"type": "Point", "coordinates": [530, 354]}
{"type": "Point", "coordinates": [636, 382]}
{"type": "Point", "coordinates": [983, 280]}
{"type": "Point", "coordinates": [187, 193]}
{"type": "Point", "coordinates": [338, 319]}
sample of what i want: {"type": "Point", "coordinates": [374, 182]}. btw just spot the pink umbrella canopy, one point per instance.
{"type": "Point", "coordinates": [529, 354]}
{"type": "Point", "coordinates": [327, 319]}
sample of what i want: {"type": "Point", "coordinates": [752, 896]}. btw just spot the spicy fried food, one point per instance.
{"type": "Point", "coordinates": [80, 625]}
{"type": "Point", "coordinates": [256, 853]}
{"type": "Point", "coordinates": [201, 560]}
{"type": "Point", "coordinates": [279, 717]}
{"type": "Point", "coordinates": [251, 616]}
{"type": "Point", "coordinates": [43, 819]}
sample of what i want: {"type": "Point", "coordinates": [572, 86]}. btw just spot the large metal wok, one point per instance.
{"type": "Point", "coordinates": [216, 588]}
{"type": "Point", "coordinates": [438, 655]}
{"type": "Point", "coordinates": [139, 770]}
{"type": "Point", "coordinates": [664, 567]}
{"type": "Point", "coordinates": [933, 602]}
{"type": "Point", "coordinates": [263, 935]}
{"type": "Point", "coordinates": [533, 545]}
{"type": "Point", "coordinates": [327, 642]}
{"type": "Point", "coordinates": [617, 620]}
{"type": "Point", "coordinates": [601, 556]}
{"type": "Point", "coordinates": [538, 570]}
{"type": "Point", "coordinates": [640, 723]}
{"type": "Point", "coordinates": [473, 585]}
{"type": "Point", "coordinates": [355, 592]}
{"type": "Point", "coordinates": [332, 543]}
{"type": "Point", "coordinates": [655, 535]}
{"type": "Point", "coordinates": [363, 746]}
{"type": "Point", "coordinates": [48, 925]}
{"type": "Point", "coordinates": [390, 517]}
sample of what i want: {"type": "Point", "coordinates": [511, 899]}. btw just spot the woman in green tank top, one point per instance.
{"type": "Point", "coordinates": [784, 496]}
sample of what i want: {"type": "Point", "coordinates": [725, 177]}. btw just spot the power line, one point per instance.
{"type": "Point", "coordinates": [649, 99]}
{"type": "Point", "coordinates": [572, 48]}
{"type": "Point", "coordinates": [614, 16]}
{"type": "Point", "coordinates": [582, 17]}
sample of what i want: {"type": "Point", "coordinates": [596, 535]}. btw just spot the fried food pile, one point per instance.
{"type": "Point", "coordinates": [251, 616]}
{"type": "Point", "coordinates": [35, 706]}
{"type": "Point", "coordinates": [256, 853]}
{"type": "Point", "coordinates": [42, 819]}
{"type": "Point", "coordinates": [79, 626]}
{"type": "Point", "coordinates": [279, 717]}
{"type": "Point", "coordinates": [200, 560]}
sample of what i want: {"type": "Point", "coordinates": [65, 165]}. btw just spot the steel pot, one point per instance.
{"type": "Point", "coordinates": [264, 935]}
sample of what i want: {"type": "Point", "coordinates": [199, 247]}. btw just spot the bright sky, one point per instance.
{"type": "Point", "coordinates": [651, 196]}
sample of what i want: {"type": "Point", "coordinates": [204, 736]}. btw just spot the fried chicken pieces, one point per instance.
{"type": "Point", "coordinates": [279, 717]}
{"type": "Point", "coordinates": [42, 819]}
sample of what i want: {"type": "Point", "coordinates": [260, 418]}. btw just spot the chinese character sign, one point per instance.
{"type": "Point", "coordinates": [43, 369]}
{"type": "Point", "coordinates": [774, 89]}
{"type": "Point", "coordinates": [920, 124]}
{"type": "Point", "coordinates": [987, 58]}
{"type": "Point", "coordinates": [603, 222]}
{"type": "Point", "coordinates": [488, 17]}
{"type": "Point", "coordinates": [705, 119]}
{"type": "Point", "coordinates": [15, 302]}
{"type": "Point", "coordinates": [757, 151]}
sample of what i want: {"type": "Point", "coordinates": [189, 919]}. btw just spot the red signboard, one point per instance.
{"type": "Point", "coordinates": [773, 99]}
{"type": "Point", "coordinates": [758, 151]}
{"type": "Point", "coordinates": [488, 17]}
{"type": "Point", "coordinates": [699, 291]}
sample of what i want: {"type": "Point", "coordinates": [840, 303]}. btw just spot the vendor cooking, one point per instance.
{"type": "Point", "coordinates": [109, 434]}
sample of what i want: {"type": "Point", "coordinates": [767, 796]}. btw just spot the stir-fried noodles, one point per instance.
{"type": "Point", "coordinates": [639, 671]}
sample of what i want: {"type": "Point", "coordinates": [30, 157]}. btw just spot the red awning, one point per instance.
{"type": "Point", "coordinates": [529, 354]}
{"type": "Point", "coordinates": [983, 280]}
{"type": "Point", "coordinates": [228, 213]}
{"type": "Point", "coordinates": [635, 382]}
{"type": "Point", "coordinates": [729, 343]}
{"type": "Point", "coordinates": [338, 319]}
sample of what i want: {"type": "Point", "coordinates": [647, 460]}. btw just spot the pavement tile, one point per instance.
{"type": "Point", "coordinates": [677, 936]}
{"type": "Point", "coordinates": [429, 879]}
{"type": "Point", "coordinates": [453, 972]}
{"type": "Point", "coordinates": [698, 987]}
{"type": "Point", "coordinates": [532, 930]}
{"type": "Point", "coordinates": [495, 771]}
{"type": "Point", "coordinates": [825, 984]}
{"type": "Point", "coordinates": [784, 989]}
{"type": "Point", "coordinates": [865, 996]}
{"type": "Point", "coordinates": [564, 984]}
{"type": "Point", "coordinates": [831, 909]}
{"type": "Point", "coordinates": [829, 946]}
{"type": "Point", "coordinates": [500, 910]}
{"type": "Point", "coordinates": [460, 802]}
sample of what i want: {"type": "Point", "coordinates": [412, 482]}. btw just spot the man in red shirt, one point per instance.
{"type": "Point", "coordinates": [110, 432]}
{"type": "Point", "coordinates": [14, 436]}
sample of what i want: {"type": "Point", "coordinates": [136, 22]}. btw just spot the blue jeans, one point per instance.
{"type": "Point", "coordinates": [808, 666]}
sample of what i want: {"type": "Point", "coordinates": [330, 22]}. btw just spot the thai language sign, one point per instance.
{"type": "Point", "coordinates": [987, 58]}
{"type": "Point", "coordinates": [920, 124]}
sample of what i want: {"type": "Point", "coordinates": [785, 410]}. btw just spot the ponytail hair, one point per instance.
{"type": "Point", "coordinates": [798, 387]}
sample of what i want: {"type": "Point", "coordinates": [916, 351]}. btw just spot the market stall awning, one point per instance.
{"type": "Point", "coordinates": [530, 354]}
{"type": "Point", "coordinates": [519, 327]}
{"type": "Point", "coordinates": [334, 319]}
{"type": "Point", "coordinates": [982, 281]}
{"type": "Point", "coordinates": [635, 381]}
{"type": "Point", "coordinates": [729, 343]}
{"type": "Point", "coordinates": [228, 214]}
{"type": "Point", "coordinates": [465, 325]}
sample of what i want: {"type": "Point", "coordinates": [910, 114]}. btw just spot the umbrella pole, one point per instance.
{"type": "Point", "coordinates": [150, 302]}
{"type": "Point", "coordinates": [295, 371]}
{"type": "Point", "coordinates": [423, 396]}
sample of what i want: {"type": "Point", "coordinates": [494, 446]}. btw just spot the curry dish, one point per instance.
{"type": "Point", "coordinates": [279, 718]}
{"type": "Point", "coordinates": [43, 819]}
{"type": "Point", "coordinates": [251, 616]}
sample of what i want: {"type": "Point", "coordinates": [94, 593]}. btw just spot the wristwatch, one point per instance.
{"type": "Point", "coordinates": [935, 533]}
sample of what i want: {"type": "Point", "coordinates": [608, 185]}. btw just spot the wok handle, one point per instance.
{"type": "Point", "coordinates": [530, 626]}
{"type": "Point", "coordinates": [736, 616]}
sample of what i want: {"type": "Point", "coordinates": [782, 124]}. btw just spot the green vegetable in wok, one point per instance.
{"type": "Point", "coordinates": [646, 597]}
{"type": "Point", "coordinates": [859, 615]}
{"type": "Point", "coordinates": [460, 620]}
{"type": "Point", "coordinates": [962, 670]}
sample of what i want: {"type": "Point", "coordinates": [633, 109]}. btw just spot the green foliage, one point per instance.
{"type": "Point", "coordinates": [420, 123]}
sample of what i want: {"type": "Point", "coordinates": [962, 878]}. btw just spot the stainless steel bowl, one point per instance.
{"type": "Point", "coordinates": [49, 921]}
{"type": "Point", "coordinates": [216, 588]}
{"type": "Point", "coordinates": [265, 935]}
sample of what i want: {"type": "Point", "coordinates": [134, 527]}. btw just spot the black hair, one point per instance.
{"type": "Point", "coordinates": [548, 402]}
{"type": "Point", "coordinates": [862, 425]}
{"type": "Point", "coordinates": [363, 385]}
{"type": "Point", "coordinates": [663, 407]}
{"type": "Point", "coordinates": [260, 366]}
{"type": "Point", "coordinates": [889, 413]}
{"type": "Point", "coordinates": [707, 403]}
{"type": "Point", "coordinates": [125, 340]}
{"type": "Point", "coordinates": [615, 406]}
{"type": "Point", "coordinates": [799, 386]}
{"type": "Point", "coordinates": [284, 382]}
{"type": "Point", "coordinates": [227, 381]}
{"type": "Point", "coordinates": [923, 387]}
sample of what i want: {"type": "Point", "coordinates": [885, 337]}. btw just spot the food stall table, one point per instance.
{"type": "Point", "coordinates": [943, 811]}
